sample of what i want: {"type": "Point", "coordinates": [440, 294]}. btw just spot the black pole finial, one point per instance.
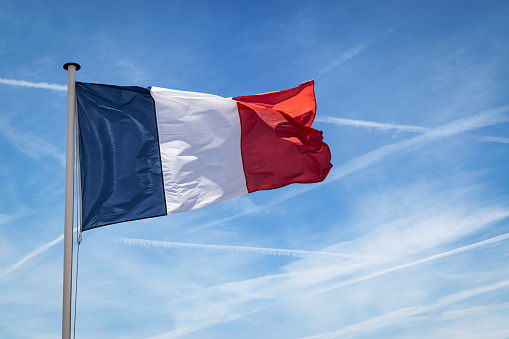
{"type": "Point", "coordinates": [66, 66]}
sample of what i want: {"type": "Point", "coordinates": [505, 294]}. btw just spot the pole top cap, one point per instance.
{"type": "Point", "coordinates": [66, 66]}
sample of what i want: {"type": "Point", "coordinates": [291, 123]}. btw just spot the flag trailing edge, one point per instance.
{"type": "Point", "coordinates": [147, 152]}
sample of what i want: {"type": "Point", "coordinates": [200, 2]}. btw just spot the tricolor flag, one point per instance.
{"type": "Point", "coordinates": [147, 152]}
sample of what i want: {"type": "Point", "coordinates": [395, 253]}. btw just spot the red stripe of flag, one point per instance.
{"type": "Point", "coordinates": [279, 147]}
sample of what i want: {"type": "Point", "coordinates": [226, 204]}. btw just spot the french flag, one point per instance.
{"type": "Point", "coordinates": [147, 152]}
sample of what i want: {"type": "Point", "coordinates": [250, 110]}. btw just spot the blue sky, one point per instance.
{"type": "Point", "coordinates": [408, 237]}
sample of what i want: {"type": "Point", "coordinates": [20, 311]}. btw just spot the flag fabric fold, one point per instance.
{"type": "Point", "coordinates": [147, 152]}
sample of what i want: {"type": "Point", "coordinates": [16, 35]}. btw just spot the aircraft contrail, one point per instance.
{"type": "Point", "coordinates": [23, 83]}
{"type": "Point", "coordinates": [33, 254]}
{"type": "Point", "coordinates": [39, 250]}
{"type": "Point", "coordinates": [245, 249]}
{"type": "Point", "coordinates": [390, 126]}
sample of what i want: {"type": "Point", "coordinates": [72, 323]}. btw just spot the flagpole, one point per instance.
{"type": "Point", "coordinates": [71, 69]}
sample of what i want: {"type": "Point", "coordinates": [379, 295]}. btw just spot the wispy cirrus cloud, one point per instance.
{"type": "Point", "coordinates": [416, 262]}
{"type": "Point", "coordinates": [405, 314]}
{"type": "Point", "coordinates": [198, 326]}
{"type": "Point", "coordinates": [6, 218]}
{"type": "Point", "coordinates": [29, 144]}
{"type": "Point", "coordinates": [365, 326]}
{"type": "Point", "coordinates": [135, 73]}
{"type": "Point", "coordinates": [307, 278]}
{"type": "Point", "coordinates": [23, 83]}
{"type": "Point", "coordinates": [383, 251]}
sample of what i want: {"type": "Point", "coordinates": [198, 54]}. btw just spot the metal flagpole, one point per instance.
{"type": "Point", "coordinates": [71, 69]}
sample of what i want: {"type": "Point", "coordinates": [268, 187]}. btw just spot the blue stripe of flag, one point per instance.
{"type": "Point", "coordinates": [120, 162]}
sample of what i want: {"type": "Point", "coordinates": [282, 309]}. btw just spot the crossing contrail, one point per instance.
{"type": "Point", "coordinates": [391, 318]}
{"type": "Point", "coordinates": [413, 263]}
